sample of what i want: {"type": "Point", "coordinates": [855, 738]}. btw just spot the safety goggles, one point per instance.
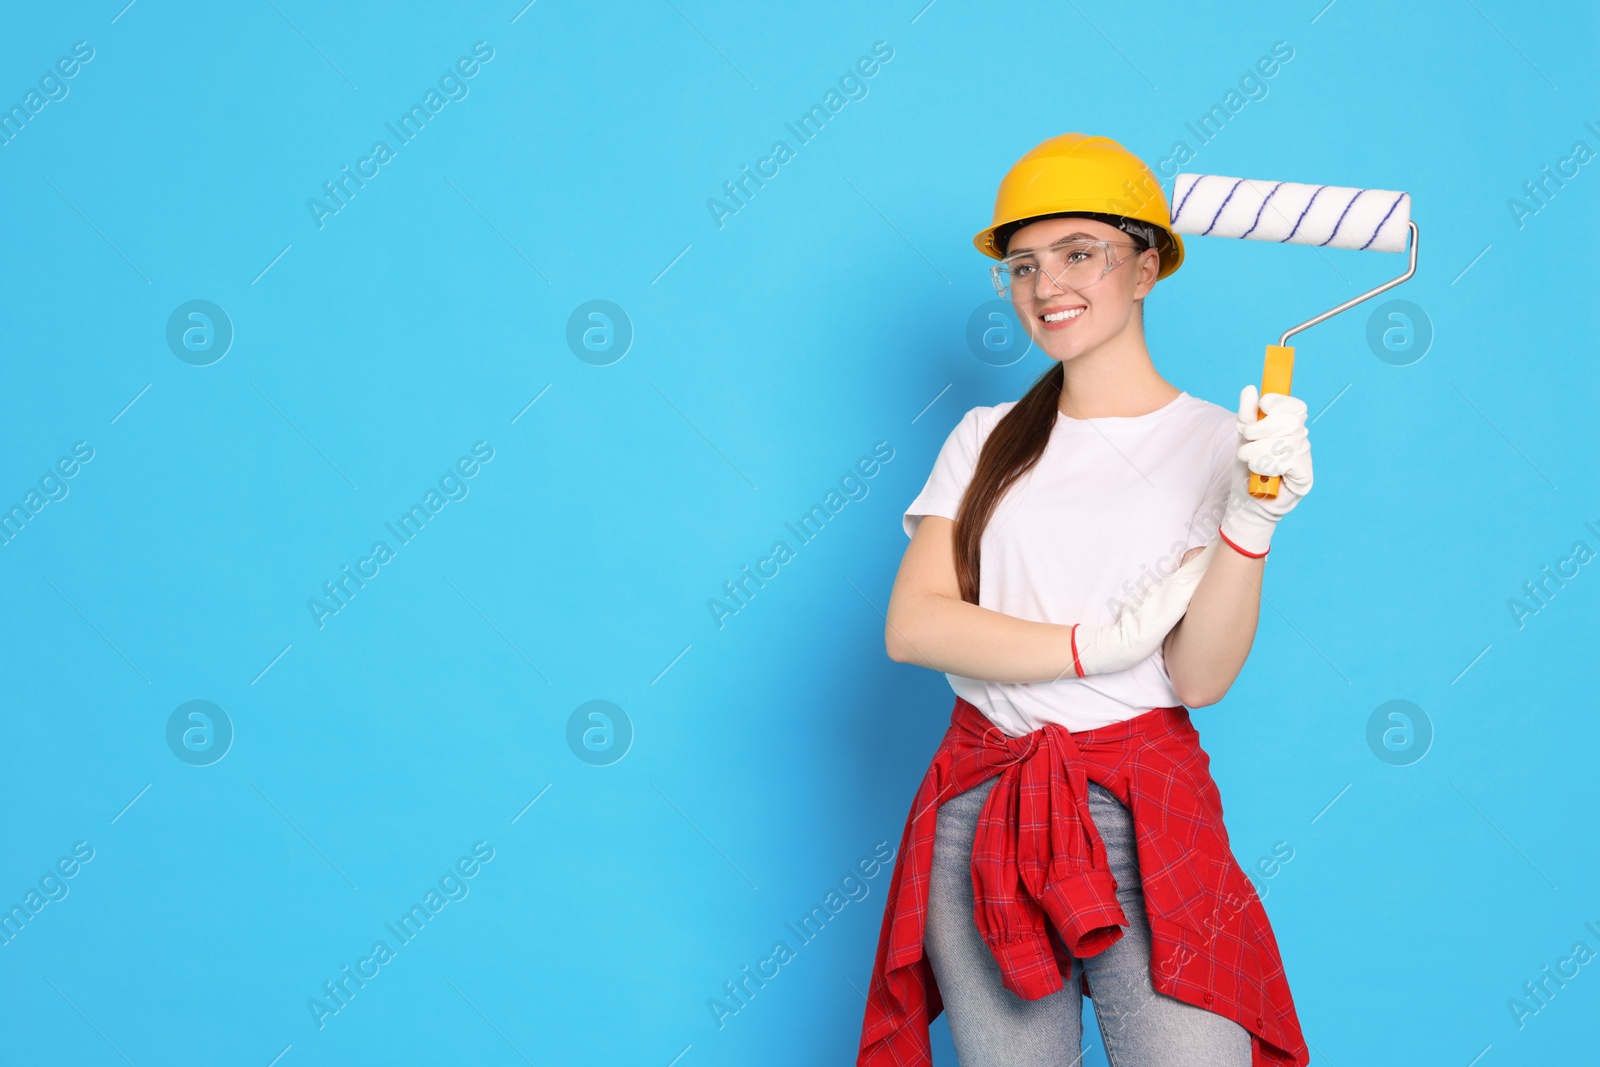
{"type": "Point", "coordinates": [1072, 264]}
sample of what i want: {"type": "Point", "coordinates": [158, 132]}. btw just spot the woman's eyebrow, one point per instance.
{"type": "Point", "coordinates": [1069, 237]}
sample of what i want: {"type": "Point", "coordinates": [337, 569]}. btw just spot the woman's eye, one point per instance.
{"type": "Point", "coordinates": [1072, 256]}
{"type": "Point", "coordinates": [1022, 270]}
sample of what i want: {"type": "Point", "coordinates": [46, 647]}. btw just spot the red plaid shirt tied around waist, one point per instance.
{"type": "Point", "coordinates": [1044, 893]}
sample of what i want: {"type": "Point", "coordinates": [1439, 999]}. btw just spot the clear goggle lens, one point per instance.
{"type": "Point", "coordinates": [1070, 264]}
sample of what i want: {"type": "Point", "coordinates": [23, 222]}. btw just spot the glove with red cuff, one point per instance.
{"type": "Point", "coordinates": [1276, 444]}
{"type": "Point", "coordinates": [1139, 630]}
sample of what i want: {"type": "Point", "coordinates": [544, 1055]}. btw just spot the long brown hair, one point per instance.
{"type": "Point", "coordinates": [1009, 452]}
{"type": "Point", "coordinates": [1012, 447]}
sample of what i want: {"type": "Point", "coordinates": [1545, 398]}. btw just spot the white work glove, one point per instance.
{"type": "Point", "coordinates": [1138, 631]}
{"type": "Point", "coordinates": [1276, 444]}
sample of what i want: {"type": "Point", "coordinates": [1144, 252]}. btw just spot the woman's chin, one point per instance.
{"type": "Point", "coordinates": [1059, 350]}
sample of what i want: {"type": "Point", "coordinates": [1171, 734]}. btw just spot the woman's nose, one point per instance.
{"type": "Point", "coordinates": [1044, 282]}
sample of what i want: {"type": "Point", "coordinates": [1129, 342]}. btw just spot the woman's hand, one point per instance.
{"type": "Point", "coordinates": [1139, 630]}
{"type": "Point", "coordinates": [1276, 444]}
{"type": "Point", "coordinates": [928, 624]}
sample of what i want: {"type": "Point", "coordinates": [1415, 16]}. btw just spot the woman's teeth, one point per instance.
{"type": "Point", "coordinates": [1062, 316]}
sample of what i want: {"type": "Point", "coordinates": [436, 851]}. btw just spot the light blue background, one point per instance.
{"type": "Point", "coordinates": [770, 754]}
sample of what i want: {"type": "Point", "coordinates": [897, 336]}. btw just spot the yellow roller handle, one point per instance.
{"type": "Point", "coordinates": [1275, 378]}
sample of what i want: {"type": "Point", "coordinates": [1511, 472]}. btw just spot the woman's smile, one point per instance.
{"type": "Point", "coordinates": [1060, 316]}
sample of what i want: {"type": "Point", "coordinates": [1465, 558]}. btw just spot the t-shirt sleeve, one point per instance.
{"type": "Point", "coordinates": [1208, 516]}
{"type": "Point", "coordinates": [952, 470]}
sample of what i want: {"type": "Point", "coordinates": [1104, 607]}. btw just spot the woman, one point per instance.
{"type": "Point", "coordinates": [1084, 562]}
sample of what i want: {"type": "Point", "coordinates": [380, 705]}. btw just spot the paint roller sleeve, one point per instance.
{"type": "Point", "coordinates": [1326, 215]}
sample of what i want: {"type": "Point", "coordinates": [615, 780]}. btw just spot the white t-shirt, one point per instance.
{"type": "Point", "coordinates": [1109, 509]}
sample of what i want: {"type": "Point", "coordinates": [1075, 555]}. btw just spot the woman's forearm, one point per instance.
{"type": "Point", "coordinates": [1208, 647]}
{"type": "Point", "coordinates": [944, 633]}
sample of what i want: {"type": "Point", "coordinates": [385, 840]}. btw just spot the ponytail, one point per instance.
{"type": "Point", "coordinates": [1009, 452]}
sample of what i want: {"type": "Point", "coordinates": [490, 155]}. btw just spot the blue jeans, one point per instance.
{"type": "Point", "coordinates": [993, 1027]}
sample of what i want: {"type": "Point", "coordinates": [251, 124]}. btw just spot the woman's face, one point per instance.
{"type": "Point", "coordinates": [1069, 322]}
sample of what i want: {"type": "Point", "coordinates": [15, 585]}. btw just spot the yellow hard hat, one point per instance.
{"type": "Point", "coordinates": [1078, 174]}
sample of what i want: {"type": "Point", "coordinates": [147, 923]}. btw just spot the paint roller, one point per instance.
{"type": "Point", "coordinates": [1326, 216]}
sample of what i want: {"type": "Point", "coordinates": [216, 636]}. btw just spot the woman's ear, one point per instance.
{"type": "Point", "coordinates": [1149, 266]}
